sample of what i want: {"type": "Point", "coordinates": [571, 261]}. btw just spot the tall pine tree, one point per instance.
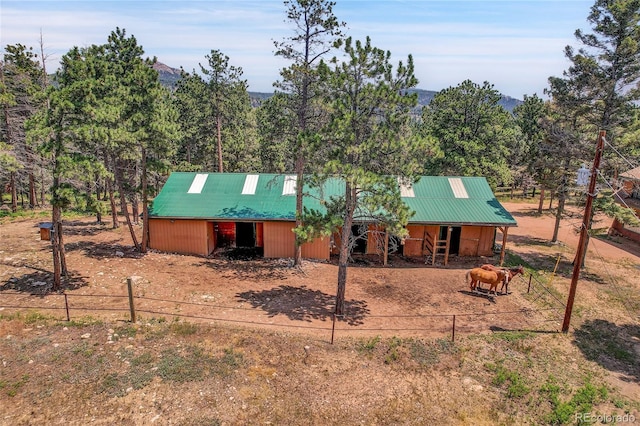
{"type": "Point", "coordinates": [370, 146]}
{"type": "Point", "coordinates": [316, 28]}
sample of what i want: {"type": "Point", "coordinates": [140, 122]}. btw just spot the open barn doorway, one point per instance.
{"type": "Point", "coordinates": [239, 240]}
{"type": "Point", "coordinates": [454, 239]}
{"type": "Point", "coordinates": [245, 234]}
{"type": "Point", "coordinates": [359, 232]}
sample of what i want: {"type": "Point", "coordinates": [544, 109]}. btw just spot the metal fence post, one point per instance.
{"type": "Point", "coordinates": [66, 306]}
{"type": "Point", "coordinates": [529, 287]}
{"type": "Point", "coordinates": [333, 328]}
{"type": "Point", "coordinates": [453, 329]}
{"type": "Point", "coordinates": [131, 306]}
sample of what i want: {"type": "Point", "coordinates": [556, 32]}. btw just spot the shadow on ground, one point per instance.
{"type": "Point", "coordinates": [620, 242]}
{"type": "Point", "coordinates": [262, 270]}
{"type": "Point", "coordinates": [615, 347]}
{"type": "Point", "coordinates": [481, 294]}
{"type": "Point", "coordinates": [84, 228]}
{"type": "Point", "coordinates": [303, 304]}
{"type": "Point", "coordinates": [104, 250]}
{"type": "Point", "coordinates": [41, 283]}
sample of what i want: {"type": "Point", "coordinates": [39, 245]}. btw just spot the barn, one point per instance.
{"type": "Point", "coordinates": [196, 213]}
{"type": "Point", "coordinates": [628, 195]}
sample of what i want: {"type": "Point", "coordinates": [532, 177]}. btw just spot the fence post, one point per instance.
{"type": "Point", "coordinates": [453, 329]}
{"type": "Point", "coordinates": [131, 306]}
{"type": "Point", "coordinates": [333, 327]}
{"type": "Point", "coordinates": [529, 287]}
{"type": "Point", "coordinates": [66, 305]}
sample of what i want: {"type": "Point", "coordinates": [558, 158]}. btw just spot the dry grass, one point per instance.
{"type": "Point", "coordinates": [189, 374]}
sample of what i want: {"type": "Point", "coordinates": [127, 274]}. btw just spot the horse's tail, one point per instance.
{"type": "Point", "coordinates": [468, 280]}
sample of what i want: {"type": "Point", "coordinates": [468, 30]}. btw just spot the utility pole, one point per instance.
{"type": "Point", "coordinates": [583, 231]}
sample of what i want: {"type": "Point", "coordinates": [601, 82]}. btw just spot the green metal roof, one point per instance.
{"type": "Point", "coordinates": [219, 196]}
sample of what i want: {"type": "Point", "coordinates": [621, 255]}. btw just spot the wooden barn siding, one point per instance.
{"type": "Point", "coordinates": [194, 237]}
{"type": "Point", "coordinates": [335, 249]}
{"type": "Point", "coordinates": [476, 241]}
{"type": "Point", "coordinates": [259, 234]}
{"type": "Point", "coordinates": [279, 242]}
{"type": "Point", "coordinates": [414, 243]}
{"type": "Point", "coordinates": [487, 241]}
{"type": "Point", "coordinates": [375, 239]}
{"type": "Point", "coordinates": [627, 233]}
{"type": "Point", "coordinates": [317, 249]}
{"type": "Point", "coordinates": [278, 239]}
{"type": "Point", "coordinates": [179, 236]}
{"type": "Point", "coordinates": [211, 237]}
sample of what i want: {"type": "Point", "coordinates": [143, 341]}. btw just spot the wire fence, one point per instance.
{"type": "Point", "coordinates": [76, 306]}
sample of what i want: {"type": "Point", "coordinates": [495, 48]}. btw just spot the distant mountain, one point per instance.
{"type": "Point", "coordinates": [425, 96]}
{"type": "Point", "coordinates": [170, 76]}
{"type": "Point", "coordinates": [258, 97]}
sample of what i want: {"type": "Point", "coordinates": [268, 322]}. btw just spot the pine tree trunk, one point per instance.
{"type": "Point", "coordinates": [343, 260]}
{"type": "Point", "coordinates": [586, 244]}
{"type": "Point", "coordinates": [123, 206]}
{"type": "Point", "coordinates": [42, 189]}
{"type": "Point", "coordinates": [63, 254]}
{"type": "Point", "coordinates": [145, 203]}
{"type": "Point", "coordinates": [55, 246]}
{"type": "Point", "coordinates": [297, 260]}
{"type": "Point", "coordinates": [219, 128]}
{"type": "Point", "coordinates": [112, 201]}
{"type": "Point", "coordinates": [541, 200]}
{"type": "Point", "coordinates": [14, 192]}
{"type": "Point", "coordinates": [135, 209]}
{"type": "Point", "coordinates": [559, 212]}
{"type": "Point", "coordinates": [98, 205]}
{"type": "Point", "coordinates": [33, 200]}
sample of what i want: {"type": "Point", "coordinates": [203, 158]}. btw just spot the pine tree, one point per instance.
{"type": "Point", "coordinates": [600, 88]}
{"type": "Point", "coordinates": [529, 117]}
{"type": "Point", "coordinates": [370, 146]}
{"type": "Point", "coordinates": [476, 134]}
{"type": "Point", "coordinates": [316, 28]}
{"type": "Point", "coordinates": [216, 117]}
{"type": "Point", "coordinates": [20, 75]}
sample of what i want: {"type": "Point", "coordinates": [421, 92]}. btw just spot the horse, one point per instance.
{"type": "Point", "coordinates": [478, 275]}
{"type": "Point", "coordinates": [511, 272]}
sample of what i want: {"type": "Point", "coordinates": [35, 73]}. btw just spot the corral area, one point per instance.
{"type": "Point", "coordinates": [261, 333]}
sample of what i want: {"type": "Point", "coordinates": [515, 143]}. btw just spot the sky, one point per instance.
{"type": "Point", "coordinates": [516, 45]}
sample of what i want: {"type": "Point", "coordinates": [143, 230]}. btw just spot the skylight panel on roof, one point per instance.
{"type": "Point", "coordinates": [289, 187]}
{"type": "Point", "coordinates": [198, 183]}
{"type": "Point", "coordinates": [457, 186]}
{"type": "Point", "coordinates": [250, 184]}
{"type": "Point", "coordinates": [406, 188]}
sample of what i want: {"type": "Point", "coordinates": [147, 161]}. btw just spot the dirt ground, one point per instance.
{"type": "Point", "coordinates": [106, 371]}
{"type": "Point", "coordinates": [407, 297]}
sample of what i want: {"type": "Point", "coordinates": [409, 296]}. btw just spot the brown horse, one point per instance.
{"type": "Point", "coordinates": [511, 272]}
{"type": "Point", "coordinates": [478, 275]}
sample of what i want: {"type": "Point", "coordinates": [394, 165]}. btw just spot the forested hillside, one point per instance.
{"type": "Point", "coordinates": [169, 77]}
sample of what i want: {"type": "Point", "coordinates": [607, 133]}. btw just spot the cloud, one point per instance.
{"type": "Point", "coordinates": [514, 44]}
